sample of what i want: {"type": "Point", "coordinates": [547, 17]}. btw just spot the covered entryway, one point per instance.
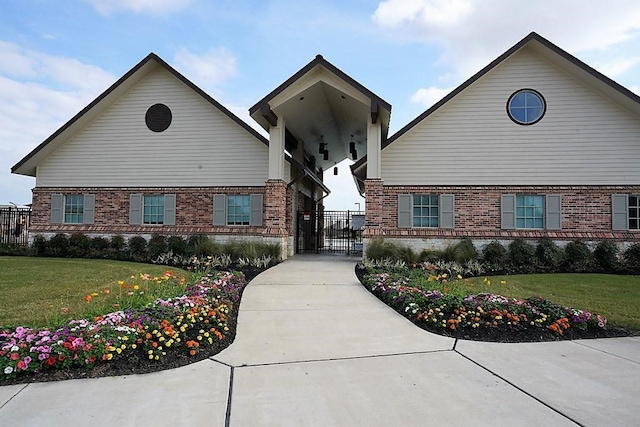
{"type": "Point", "coordinates": [321, 232]}
{"type": "Point", "coordinates": [316, 119]}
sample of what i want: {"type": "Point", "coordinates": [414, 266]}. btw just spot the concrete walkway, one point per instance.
{"type": "Point", "coordinates": [315, 348]}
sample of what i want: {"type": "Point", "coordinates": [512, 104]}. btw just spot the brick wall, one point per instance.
{"type": "Point", "coordinates": [586, 212]}
{"type": "Point", "coordinates": [194, 211]}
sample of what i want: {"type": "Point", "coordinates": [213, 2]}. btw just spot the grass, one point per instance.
{"type": "Point", "coordinates": [615, 297]}
{"type": "Point", "coordinates": [47, 291]}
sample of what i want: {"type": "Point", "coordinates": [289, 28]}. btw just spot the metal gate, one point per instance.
{"type": "Point", "coordinates": [330, 232]}
{"type": "Point", "coordinates": [14, 225]}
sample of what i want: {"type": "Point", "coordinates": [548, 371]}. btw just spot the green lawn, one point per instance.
{"type": "Point", "coordinates": [615, 297]}
{"type": "Point", "coordinates": [44, 291]}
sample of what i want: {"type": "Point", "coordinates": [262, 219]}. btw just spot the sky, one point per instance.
{"type": "Point", "coordinates": [57, 56]}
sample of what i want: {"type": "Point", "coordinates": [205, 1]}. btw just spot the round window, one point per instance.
{"type": "Point", "coordinates": [158, 117]}
{"type": "Point", "coordinates": [526, 107]}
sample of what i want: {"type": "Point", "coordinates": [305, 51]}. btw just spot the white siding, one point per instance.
{"type": "Point", "coordinates": [583, 139]}
{"type": "Point", "coordinates": [202, 147]}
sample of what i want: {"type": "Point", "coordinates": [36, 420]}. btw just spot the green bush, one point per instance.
{"type": "Point", "coordinates": [201, 245]}
{"type": "Point", "coordinates": [578, 257]}
{"type": "Point", "coordinates": [99, 246]}
{"type": "Point", "coordinates": [465, 251]}
{"type": "Point", "coordinates": [117, 243]}
{"type": "Point", "coordinates": [494, 253]}
{"type": "Point", "coordinates": [606, 256]}
{"type": "Point", "coordinates": [429, 255]}
{"type": "Point", "coordinates": [631, 259]}
{"type": "Point", "coordinates": [138, 248]}
{"type": "Point", "coordinates": [157, 245]}
{"type": "Point", "coordinates": [13, 249]}
{"type": "Point", "coordinates": [378, 249]}
{"type": "Point", "coordinates": [40, 245]}
{"type": "Point", "coordinates": [522, 256]}
{"type": "Point", "coordinates": [79, 245]}
{"type": "Point", "coordinates": [59, 245]}
{"type": "Point", "coordinates": [550, 256]}
{"type": "Point", "coordinates": [177, 245]}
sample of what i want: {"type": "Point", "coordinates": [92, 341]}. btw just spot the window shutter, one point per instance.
{"type": "Point", "coordinates": [619, 212]}
{"type": "Point", "coordinates": [56, 208]}
{"type": "Point", "coordinates": [553, 212]}
{"type": "Point", "coordinates": [219, 209]}
{"type": "Point", "coordinates": [135, 209]}
{"type": "Point", "coordinates": [169, 209]}
{"type": "Point", "coordinates": [89, 209]}
{"type": "Point", "coordinates": [405, 203]}
{"type": "Point", "coordinates": [447, 211]}
{"type": "Point", "coordinates": [256, 210]}
{"type": "Point", "coordinates": [508, 211]}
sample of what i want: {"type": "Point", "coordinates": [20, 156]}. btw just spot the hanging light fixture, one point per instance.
{"type": "Point", "coordinates": [354, 154]}
{"type": "Point", "coordinates": [335, 170]}
{"type": "Point", "coordinates": [321, 149]}
{"type": "Point", "coordinates": [352, 146]}
{"type": "Point", "coordinates": [326, 155]}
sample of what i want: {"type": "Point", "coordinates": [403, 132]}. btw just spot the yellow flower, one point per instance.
{"type": "Point", "coordinates": [503, 282]}
{"type": "Point", "coordinates": [136, 287]}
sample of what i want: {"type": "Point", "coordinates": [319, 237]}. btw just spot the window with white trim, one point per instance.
{"type": "Point", "coordinates": [529, 211]}
{"type": "Point", "coordinates": [153, 209]}
{"type": "Point", "coordinates": [73, 208]}
{"type": "Point", "coordinates": [238, 209]}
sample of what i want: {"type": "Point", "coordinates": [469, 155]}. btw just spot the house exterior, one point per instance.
{"type": "Point", "coordinates": [535, 144]}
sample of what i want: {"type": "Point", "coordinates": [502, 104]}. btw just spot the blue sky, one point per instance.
{"type": "Point", "coordinates": [57, 56]}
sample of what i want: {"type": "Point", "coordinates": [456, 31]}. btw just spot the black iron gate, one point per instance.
{"type": "Point", "coordinates": [14, 225]}
{"type": "Point", "coordinates": [330, 232]}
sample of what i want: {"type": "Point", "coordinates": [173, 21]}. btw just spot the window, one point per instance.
{"type": "Point", "coordinates": [73, 208]}
{"type": "Point", "coordinates": [238, 209]}
{"type": "Point", "coordinates": [529, 211]}
{"type": "Point", "coordinates": [634, 212]}
{"type": "Point", "coordinates": [426, 211]}
{"type": "Point", "coordinates": [153, 209]}
{"type": "Point", "coordinates": [158, 118]}
{"type": "Point", "coordinates": [526, 107]}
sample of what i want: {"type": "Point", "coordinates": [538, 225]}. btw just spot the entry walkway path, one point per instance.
{"type": "Point", "coordinates": [313, 347]}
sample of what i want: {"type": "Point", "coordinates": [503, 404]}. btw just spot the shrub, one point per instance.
{"type": "Point", "coordinates": [157, 245]}
{"type": "Point", "coordinates": [138, 248]}
{"type": "Point", "coordinates": [578, 257]}
{"type": "Point", "coordinates": [465, 251]}
{"type": "Point", "coordinates": [378, 249]}
{"type": "Point", "coordinates": [522, 256]}
{"type": "Point", "coordinates": [429, 255]}
{"type": "Point", "coordinates": [550, 256]}
{"type": "Point", "coordinates": [99, 246]}
{"type": "Point", "coordinates": [40, 245]}
{"type": "Point", "coordinates": [631, 259]}
{"type": "Point", "coordinates": [59, 245]}
{"type": "Point", "coordinates": [118, 248]}
{"type": "Point", "coordinates": [177, 245]}
{"type": "Point", "coordinates": [79, 245]}
{"type": "Point", "coordinates": [201, 245]}
{"type": "Point", "coordinates": [408, 255]}
{"type": "Point", "coordinates": [494, 253]}
{"type": "Point", "coordinates": [606, 256]}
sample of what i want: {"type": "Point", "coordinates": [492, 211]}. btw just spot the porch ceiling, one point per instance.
{"type": "Point", "coordinates": [322, 113]}
{"type": "Point", "coordinates": [320, 103]}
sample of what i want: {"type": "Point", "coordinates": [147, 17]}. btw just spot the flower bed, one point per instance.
{"type": "Point", "coordinates": [161, 332]}
{"type": "Point", "coordinates": [483, 316]}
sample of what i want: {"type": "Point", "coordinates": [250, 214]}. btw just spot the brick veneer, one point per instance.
{"type": "Point", "coordinates": [586, 212]}
{"type": "Point", "coordinates": [275, 208]}
{"type": "Point", "coordinates": [194, 211]}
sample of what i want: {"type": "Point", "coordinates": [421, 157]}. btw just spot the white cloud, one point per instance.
{"type": "Point", "coordinates": [107, 7]}
{"type": "Point", "coordinates": [429, 96]}
{"type": "Point", "coordinates": [472, 33]}
{"type": "Point", "coordinates": [211, 68]}
{"type": "Point", "coordinates": [38, 93]}
{"type": "Point", "coordinates": [617, 67]}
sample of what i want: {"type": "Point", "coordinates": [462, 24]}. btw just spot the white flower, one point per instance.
{"type": "Point", "coordinates": [15, 348]}
{"type": "Point", "coordinates": [8, 370]}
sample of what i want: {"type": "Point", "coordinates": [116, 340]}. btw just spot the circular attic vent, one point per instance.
{"type": "Point", "coordinates": [158, 117]}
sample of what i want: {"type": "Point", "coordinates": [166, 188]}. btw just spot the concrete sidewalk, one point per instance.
{"type": "Point", "coordinates": [315, 348]}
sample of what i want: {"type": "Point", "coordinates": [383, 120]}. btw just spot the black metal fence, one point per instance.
{"type": "Point", "coordinates": [14, 225]}
{"type": "Point", "coordinates": [330, 232]}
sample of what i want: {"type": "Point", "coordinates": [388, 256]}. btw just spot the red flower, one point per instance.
{"type": "Point", "coordinates": [51, 361]}
{"type": "Point", "coordinates": [15, 356]}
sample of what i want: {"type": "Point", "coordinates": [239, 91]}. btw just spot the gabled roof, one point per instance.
{"type": "Point", "coordinates": [27, 166]}
{"type": "Point", "coordinates": [319, 60]}
{"type": "Point", "coordinates": [550, 51]}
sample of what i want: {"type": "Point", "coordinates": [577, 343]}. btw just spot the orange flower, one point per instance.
{"type": "Point", "coordinates": [87, 298]}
